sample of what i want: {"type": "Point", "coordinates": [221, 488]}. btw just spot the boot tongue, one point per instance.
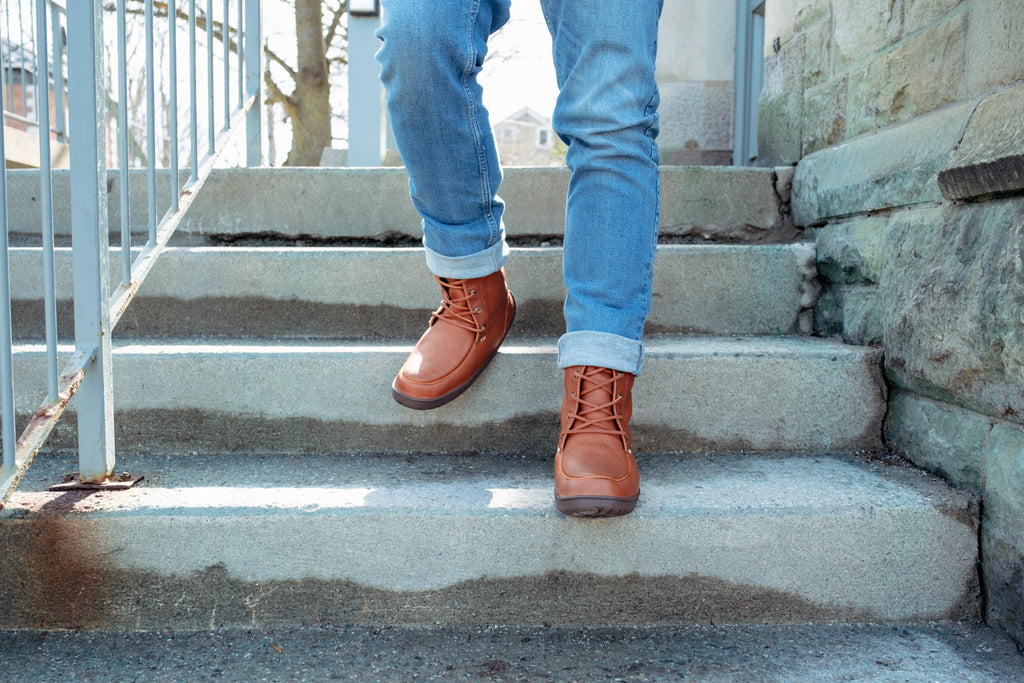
{"type": "Point", "coordinates": [455, 303]}
{"type": "Point", "coordinates": [596, 391]}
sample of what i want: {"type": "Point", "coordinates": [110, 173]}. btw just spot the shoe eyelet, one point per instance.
{"type": "Point", "coordinates": [574, 394]}
{"type": "Point", "coordinates": [472, 292]}
{"type": "Point", "coordinates": [476, 310]}
{"type": "Point", "coordinates": [619, 396]}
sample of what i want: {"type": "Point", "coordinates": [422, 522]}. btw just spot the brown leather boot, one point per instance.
{"type": "Point", "coordinates": [463, 336]}
{"type": "Point", "coordinates": [595, 471]}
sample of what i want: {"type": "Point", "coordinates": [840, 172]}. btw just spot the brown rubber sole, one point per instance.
{"type": "Point", "coordinates": [596, 506]}
{"type": "Point", "coordinates": [430, 403]}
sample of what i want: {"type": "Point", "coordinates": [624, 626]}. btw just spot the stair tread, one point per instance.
{"type": "Point", "coordinates": [715, 289]}
{"type": "Point", "coordinates": [675, 484]}
{"type": "Point", "coordinates": [700, 201]}
{"type": "Point", "coordinates": [694, 393]}
{"type": "Point", "coordinates": [780, 534]}
{"type": "Point", "coordinates": [676, 346]}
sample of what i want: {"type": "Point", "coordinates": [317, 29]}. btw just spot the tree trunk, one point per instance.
{"type": "Point", "coordinates": [311, 116]}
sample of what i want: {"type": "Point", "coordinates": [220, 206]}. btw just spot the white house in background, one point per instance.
{"type": "Point", "coordinates": [525, 138]}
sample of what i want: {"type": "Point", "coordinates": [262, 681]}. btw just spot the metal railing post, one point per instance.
{"type": "Point", "coordinates": [6, 336]}
{"type": "Point", "coordinates": [46, 204]}
{"type": "Point", "coordinates": [253, 82]}
{"type": "Point", "coordinates": [90, 238]}
{"type": "Point", "coordinates": [58, 73]}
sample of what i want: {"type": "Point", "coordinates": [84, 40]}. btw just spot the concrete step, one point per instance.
{"type": "Point", "coordinates": [339, 293]}
{"type": "Point", "coordinates": [806, 653]}
{"type": "Point", "coordinates": [259, 542]}
{"type": "Point", "coordinates": [698, 202]}
{"type": "Point", "coordinates": [695, 394]}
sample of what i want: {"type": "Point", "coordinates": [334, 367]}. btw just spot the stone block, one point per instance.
{"type": "Point", "coordinates": [995, 32]}
{"type": "Point", "coordinates": [1004, 483]}
{"type": "Point", "coordinates": [990, 159]}
{"type": "Point", "coordinates": [828, 312]}
{"type": "Point", "coordinates": [807, 12]}
{"type": "Point", "coordinates": [919, 14]}
{"type": "Point", "coordinates": [939, 437]}
{"type": "Point", "coordinates": [862, 28]}
{"type": "Point", "coordinates": [1003, 569]}
{"type": "Point", "coordinates": [1003, 529]}
{"type": "Point", "coordinates": [780, 111]}
{"type": "Point", "coordinates": [917, 77]}
{"type": "Point", "coordinates": [896, 167]}
{"type": "Point", "coordinates": [862, 316]}
{"type": "Point", "coordinates": [953, 288]}
{"type": "Point", "coordinates": [824, 123]}
{"type": "Point", "coordinates": [851, 312]}
{"type": "Point", "coordinates": [818, 39]}
{"type": "Point", "coordinates": [852, 252]}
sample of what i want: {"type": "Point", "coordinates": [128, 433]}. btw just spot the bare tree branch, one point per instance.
{"type": "Point", "coordinates": [271, 55]}
{"type": "Point", "coordinates": [160, 11]}
{"type": "Point", "coordinates": [335, 23]}
{"type": "Point", "coordinates": [276, 96]}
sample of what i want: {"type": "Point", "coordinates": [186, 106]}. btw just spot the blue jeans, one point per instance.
{"type": "Point", "coordinates": [606, 112]}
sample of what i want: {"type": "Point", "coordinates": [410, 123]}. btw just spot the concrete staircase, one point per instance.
{"type": "Point", "coordinates": [284, 487]}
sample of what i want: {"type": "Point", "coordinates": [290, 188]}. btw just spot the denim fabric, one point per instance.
{"type": "Point", "coordinates": [606, 112]}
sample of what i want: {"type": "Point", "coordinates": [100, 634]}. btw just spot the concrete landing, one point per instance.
{"type": "Point", "coordinates": [243, 541]}
{"type": "Point", "coordinates": [695, 394]}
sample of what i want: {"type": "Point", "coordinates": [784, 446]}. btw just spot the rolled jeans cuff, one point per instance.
{"type": "Point", "coordinates": [600, 349]}
{"type": "Point", "coordinates": [480, 264]}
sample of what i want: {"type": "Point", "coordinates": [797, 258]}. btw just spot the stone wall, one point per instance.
{"type": "Point", "coordinates": [836, 69]}
{"type": "Point", "coordinates": [907, 120]}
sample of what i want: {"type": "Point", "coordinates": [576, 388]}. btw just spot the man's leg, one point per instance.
{"type": "Point", "coordinates": [431, 53]}
{"type": "Point", "coordinates": [607, 113]}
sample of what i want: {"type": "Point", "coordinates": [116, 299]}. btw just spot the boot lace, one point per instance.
{"type": "Point", "coordinates": [598, 404]}
{"type": "Point", "coordinates": [455, 307]}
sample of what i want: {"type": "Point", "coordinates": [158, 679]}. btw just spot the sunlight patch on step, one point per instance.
{"type": "Point", "coordinates": [209, 498]}
{"type": "Point", "coordinates": [510, 499]}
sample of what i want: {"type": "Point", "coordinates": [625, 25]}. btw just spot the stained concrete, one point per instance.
{"type": "Point", "coordinates": [244, 541]}
{"type": "Point", "coordinates": [701, 393]}
{"type": "Point", "coordinates": [388, 293]}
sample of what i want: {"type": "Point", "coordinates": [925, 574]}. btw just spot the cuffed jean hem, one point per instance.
{"type": "Point", "coordinates": [600, 349]}
{"type": "Point", "coordinates": [480, 264]}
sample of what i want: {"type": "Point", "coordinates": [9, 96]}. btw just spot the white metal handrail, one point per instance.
{"type": "Point", "coordinates": [98, 306]}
